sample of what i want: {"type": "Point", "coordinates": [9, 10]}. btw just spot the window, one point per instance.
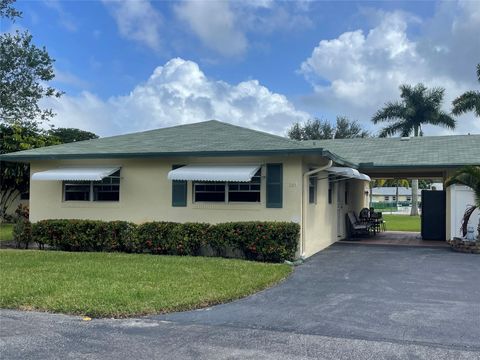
{"type": "Point", "coordinates": [312, 189]}
{"type": "Point", "coordinates": [107, 189]}
{"type": "Point", "coordinates": [409, 198]}
{"type": "Point", "coordinates": [330, 189]}
{"type": "Point", "coordinates": [228, 191]}
{"type": "Point", "coordinates": [25, 196]}
{"type": "Point", "coordinates": [77, 191]}
{"type": "Point", "coordinates": [394, 198]}
{"type": "Point", "coordinates": [387, 198]}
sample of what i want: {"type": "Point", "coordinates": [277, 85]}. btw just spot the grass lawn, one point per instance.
{"type": "Point", "coordinates": [120, 285]}
{"type": "Point", "coordinates": [6, 232]}
{"type": "Point", "coordinates": [402, 222]}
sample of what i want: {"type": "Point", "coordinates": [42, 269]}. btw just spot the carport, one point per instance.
{"type": "Point", "coordinates": [429, 157]}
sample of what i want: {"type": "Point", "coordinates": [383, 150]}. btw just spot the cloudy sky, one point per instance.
{"type": "Point", "coordinates": [136, 65]}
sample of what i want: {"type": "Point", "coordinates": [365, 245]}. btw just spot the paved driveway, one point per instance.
{"type": "Point", "coordinates": [348, 302]}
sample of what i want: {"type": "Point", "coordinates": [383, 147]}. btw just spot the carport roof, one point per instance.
{"type": "Point", "coordinates": [426, 151]}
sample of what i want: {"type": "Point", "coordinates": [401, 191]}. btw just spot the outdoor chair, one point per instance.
{"type": "Point", "coordinates": [357, 227]}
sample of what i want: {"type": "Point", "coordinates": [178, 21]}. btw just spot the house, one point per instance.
{"type": "Point", "coordinates": [388, 194]}
{"type": "Point", "coordinates": [217, 172]}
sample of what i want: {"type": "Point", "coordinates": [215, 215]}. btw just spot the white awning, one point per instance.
{"type": "Point", "coordinates": [214, 173]}
{"type": "Point", "coordinates": [348, 173]}
{"type": "Point", "coordinates": [76, 174]}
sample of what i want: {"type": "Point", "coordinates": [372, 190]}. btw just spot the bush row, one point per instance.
{"type": "Point", "coordinates": [262, 241]}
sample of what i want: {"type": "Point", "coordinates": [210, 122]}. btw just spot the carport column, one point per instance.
{"type": "Point", "coordinates": [305, 201]}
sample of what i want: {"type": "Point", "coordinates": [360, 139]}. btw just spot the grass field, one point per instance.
{"type": "Point", "coordinates": [120, 285]}
{"type": "Point", "coordinates": [6, 232]}
{"type": "Point", "coordinates": [402, 222]}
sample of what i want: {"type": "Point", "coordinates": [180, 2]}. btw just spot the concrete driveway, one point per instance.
{"type": "Point", "coordinates": [348, 302]}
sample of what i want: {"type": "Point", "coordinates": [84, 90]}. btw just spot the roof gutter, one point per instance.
{"type": "Point", "coordinates": [304, 203]}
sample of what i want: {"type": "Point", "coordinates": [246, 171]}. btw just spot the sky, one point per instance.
{"type": "Point", "coordinates": [136, 65]}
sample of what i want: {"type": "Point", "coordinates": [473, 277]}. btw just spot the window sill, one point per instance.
{"type": "Point", "coordinates": [229, 206]}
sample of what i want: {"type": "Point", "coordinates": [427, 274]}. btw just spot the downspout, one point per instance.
{"type": "Point", "coordinates": [304, 203]}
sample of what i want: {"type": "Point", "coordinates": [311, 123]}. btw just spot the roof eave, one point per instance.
{"type": "Point", "coordinates": [31, 157]}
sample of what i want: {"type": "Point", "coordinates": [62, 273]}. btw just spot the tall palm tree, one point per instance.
{"type": "Point", "coordinates": [418, 106]}
{"type": "Point", "coordinates": [469, 101]}
{"type": "Point", "coordinates": [468, 176]}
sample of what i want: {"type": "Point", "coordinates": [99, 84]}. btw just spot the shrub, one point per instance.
{"type": "Point", "coordinates": [264, 241]}
{"type": "Point", "coordinates": [86, 235]}
{"type": "Point", "coordinates": [22, 229]}
{"type": "Point", "coordinates": [261, 241]}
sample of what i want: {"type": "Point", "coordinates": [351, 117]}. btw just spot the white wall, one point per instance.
{"type": "Point", "coordinates": [460, 197]}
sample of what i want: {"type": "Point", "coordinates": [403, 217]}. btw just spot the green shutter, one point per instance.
{"type": "Point", "coordinates": [274, 185]}
{"type": "Point", "coordinates": [179, 191]}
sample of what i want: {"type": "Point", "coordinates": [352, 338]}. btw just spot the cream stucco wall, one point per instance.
{"type": "Point", "coordinates": [324, 222]}
{"type": "Point", "coordinates": [146, 195]}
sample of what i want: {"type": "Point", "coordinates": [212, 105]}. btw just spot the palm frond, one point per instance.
{"type": "Point", "coordinates": [466, 102]}
{"type": "Point", "coordinates": [391, 111]}
{"type": "Point", "coordinates": [393, 129]}
{"type": "Point", "coordinates": [442, 119]}
{"type": "Point", "coordinates": [466, 218]}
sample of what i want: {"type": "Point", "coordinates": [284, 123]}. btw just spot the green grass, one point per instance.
{"type": "Point", "coordinates": [402, 222]}
{"type": "Point", "coordinates": [6, 232]}
{"type": "Point", "coordinates": [121, 285]}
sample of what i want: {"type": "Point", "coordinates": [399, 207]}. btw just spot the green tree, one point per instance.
{"type": "Point", "coordinates": [68, 135]}
{"type": "Point", "coordinates": [468, 176]}
{"type": "Point", "coordinates": [347, 129]}
{"type": "Point", "coordinates": [469, 101]}
{"type": "Point", "coordinates": [322, 129]}
{"type": "Point", "coordinates": [14, 176]}
{"type": "Point", "coordinates": [25, 71]}
{"type": "Point", "coordinates": [418, 106]}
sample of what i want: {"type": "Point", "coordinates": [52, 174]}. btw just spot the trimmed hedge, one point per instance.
{"type": "Point", "coordinates": [261, 241]}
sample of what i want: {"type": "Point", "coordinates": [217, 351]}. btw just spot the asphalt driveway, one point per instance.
{"type": "Point", "coordinates": [348, 302]}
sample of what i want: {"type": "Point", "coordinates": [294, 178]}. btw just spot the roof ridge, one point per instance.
{"type": "Point", "coordinates": [283, 138]}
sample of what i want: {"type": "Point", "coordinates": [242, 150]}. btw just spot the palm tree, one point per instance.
{"type": "Point", "coordinates": [469, 101]}
{"type": "Point", "coordinates": [468, 176]}
{"type": "Point", "coordinates": [418, 106]}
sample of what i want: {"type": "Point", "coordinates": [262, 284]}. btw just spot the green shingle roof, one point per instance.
{"type": "Point", "coordinates": [215, 138]}
{"type": "Point", "coordinates": [204, 138]}
{"type": "Point", "coordinates": [408, 152]}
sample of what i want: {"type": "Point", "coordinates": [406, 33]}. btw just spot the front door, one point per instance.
{"type": "Point", "coordinates": [340, 210]}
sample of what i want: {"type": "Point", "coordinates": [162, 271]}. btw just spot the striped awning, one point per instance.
{"type": "Point", "coordinates": [240, 173]}
{"type": "Point", "coordinates": [348, 173]}
{"type": "Point", "coordinates": [76, 174]}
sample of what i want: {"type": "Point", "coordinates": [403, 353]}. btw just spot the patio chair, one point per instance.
{"type": "Point", "coordinates": [356, 227]}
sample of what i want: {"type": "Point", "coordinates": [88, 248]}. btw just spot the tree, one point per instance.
{"type": "Point", "coordinates": [418, 106]}
{"type": "Point", "coordinates": [15, 176]}
{"type": "Point", "coordinates": [25, 71]}
{"type": "Point", "coordinates": [68, 135]}
{"type": "Point", "coordinates": [322, 129]}
{"type": "Point", "coordinates": [347, 129]}
{"type": "Point", "coordinates": [468, 176]}
{"type": "Point", "coordinates": [469, 101]}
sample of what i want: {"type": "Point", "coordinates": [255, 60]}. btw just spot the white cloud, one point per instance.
{"type": "Point", "coordinates": [215, 24]}
{"type": "Point", "coordinates": [178, 93]}
{"type": "Point", "coordinates": [137, 20]}
{"type": "Point", "coordinates": [357, 72]}
{"type": "Point", "coordinates": [223, 26]}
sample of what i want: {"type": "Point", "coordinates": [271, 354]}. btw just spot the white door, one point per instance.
{"type": "Point", "coordinates": [340, 209]}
